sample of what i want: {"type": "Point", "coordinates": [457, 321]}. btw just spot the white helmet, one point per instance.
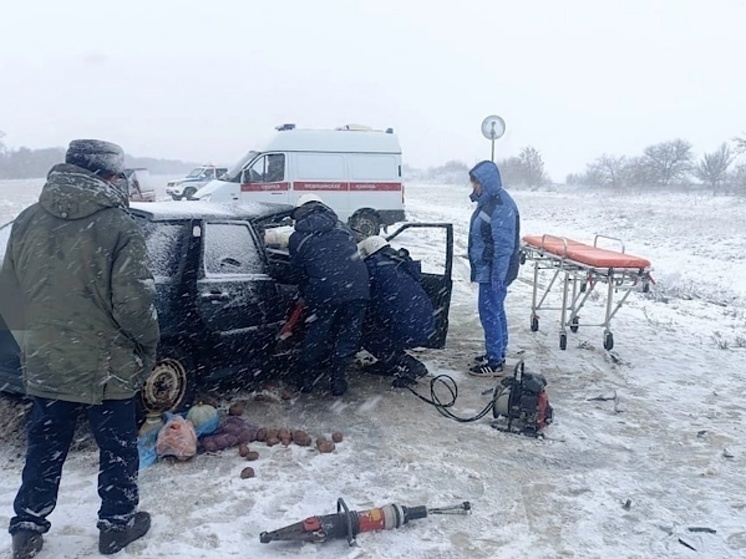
{"type": "Point", "coordinates": [306, 198]}
{"type": "Point", "coordinates": [371, 245]}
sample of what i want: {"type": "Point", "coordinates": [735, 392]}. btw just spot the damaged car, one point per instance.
{"type": "Point", "coordinates": [223, 296]}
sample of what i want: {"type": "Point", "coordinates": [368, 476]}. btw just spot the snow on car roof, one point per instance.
{"type": "Point", "coordinates": [164, 211]}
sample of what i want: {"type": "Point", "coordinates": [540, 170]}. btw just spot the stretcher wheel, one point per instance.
{"type": "Point", "coordinates": [574, 324]}
{"type": "Point", "coordinates": [534, 323]}
{"type": "Point", "coordinates": [583, 287]}
{"type": "Point", "coordinates": [608, 341]}
{"type": "Point", "coordinates": [563, 341]}
{"type": "Point", "coordinates": [646, 288]}
{"type": "Point", "coordinates": [523, 258]}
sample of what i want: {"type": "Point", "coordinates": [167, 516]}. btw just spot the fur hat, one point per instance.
{"type": "Point", "coordinates": [97, 156]}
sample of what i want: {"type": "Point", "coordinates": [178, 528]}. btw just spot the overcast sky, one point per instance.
{"type": "Point", "coordinates": [208, 80]}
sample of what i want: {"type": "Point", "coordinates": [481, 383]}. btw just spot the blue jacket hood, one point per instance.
{"type": "Point", "coordinates": [488, 175]}
{"type": "Point", "coordinates": [314, 217]}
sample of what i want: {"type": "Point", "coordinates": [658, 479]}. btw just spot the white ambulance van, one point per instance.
{"type": "Point", "coordinates": [354, 169]}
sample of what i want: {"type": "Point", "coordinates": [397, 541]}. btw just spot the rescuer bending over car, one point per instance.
{"type": "Point", "coordinates": [400, 315]}
{"type": "Point", "coordinates": [333, 281]}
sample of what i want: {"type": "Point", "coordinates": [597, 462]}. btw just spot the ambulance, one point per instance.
{"type": "Point", "coordinates": [357, 171]}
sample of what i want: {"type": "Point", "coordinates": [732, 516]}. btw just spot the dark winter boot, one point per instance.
{"type": "Point", "coordinates": [111, 540]}
{"type": "Point", "coordinates": [411, 367]}
{"type": "Point", "coordinates": [338, 385]}
{"type": "Point", "coordinates": [26, 544]}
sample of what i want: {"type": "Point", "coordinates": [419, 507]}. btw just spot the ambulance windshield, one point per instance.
{"type": "Point", "coordinates": [234, 173]}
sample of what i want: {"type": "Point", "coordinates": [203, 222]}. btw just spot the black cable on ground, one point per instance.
{"type": "Point", "coordinates": [452, 388]}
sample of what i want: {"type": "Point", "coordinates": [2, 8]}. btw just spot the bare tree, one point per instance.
{"type": "Point", "coordinates": [511, 171]}
{"type": "Point", "coordinates": [607, 170]}
{"type": "Point", "coordinates": [532, 167]}
{"type": "Point", "coordinates": [668, 161]}
{"type": "Point", "coordinates": [740, 145]}
{"type": "Point", "coordinates": [713, 168]}
{"type": "Point", "coordinates": [737, 180]}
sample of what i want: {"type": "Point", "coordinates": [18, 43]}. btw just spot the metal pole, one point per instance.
{"type": "Point", "coordinates": [493, 150]}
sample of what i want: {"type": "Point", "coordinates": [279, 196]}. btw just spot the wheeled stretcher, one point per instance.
{"type": "Point", "coordinates": [580, 267]}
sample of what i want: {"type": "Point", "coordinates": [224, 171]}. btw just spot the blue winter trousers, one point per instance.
{"type": "Point", "coordinates": [494, 321]}
{"type": "Point", "coordinates": [50, 434]}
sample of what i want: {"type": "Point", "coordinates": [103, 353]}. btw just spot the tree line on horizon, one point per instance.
{"type": "Point", "coordinates": [27, 163]}
{"type": "Point", "coordinates": [667, 165]}
{"type": "Point", "coordinates": [524, 170]}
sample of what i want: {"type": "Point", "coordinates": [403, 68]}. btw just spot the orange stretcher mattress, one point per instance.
{"type": "Point", "coordinates": [586, 254]}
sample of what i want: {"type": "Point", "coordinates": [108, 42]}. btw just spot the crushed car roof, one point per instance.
{"type": "Point", "coordinates": [169, 211]}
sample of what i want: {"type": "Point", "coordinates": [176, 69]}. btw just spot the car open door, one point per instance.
{"type": "Point", "coordinates": [431, 246]}
{"type": "Point", "coordinates": [233, 290]}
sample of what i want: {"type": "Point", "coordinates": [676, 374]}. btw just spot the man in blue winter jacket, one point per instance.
{"type": "Point", "coordinates": [400, 315]}
{"type": "Point", "coordinates": [333, 282]}
{"type": "Point", "coordinates": [494, 235]}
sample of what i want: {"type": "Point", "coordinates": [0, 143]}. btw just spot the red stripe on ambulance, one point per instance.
{"type": "Point", "coordinates": [376, 186]}
{"type": "Point", "coordinates": [326, 186]}
{"type": "Point", "coordinates": [348, 186]}
{"type": "Point", "coordinates": [265, 186]}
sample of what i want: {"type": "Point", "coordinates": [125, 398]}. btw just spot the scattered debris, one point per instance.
{"type": "Point", "coordinates": [627, 504]}
{"type": "Point", "coordinates": [728, 454]}
{"type": "Point", "coordinates": [301, 438]}
{"type": "Point", "coordinates": [702, 529]}
{"type": "Point", "coordinates": [608, 398]}
{"type": "Point", "coordinates": [237, 408]}
{"type": "Point", "coordinates": [325, 446]}
{"type": "Point", "coordinates": [702, 434]}
{"type": "Point", "coordinates": [247, 473]}
{"type": "Point", "coordinates": [682, 542]}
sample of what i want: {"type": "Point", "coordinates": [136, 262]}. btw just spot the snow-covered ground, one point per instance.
{"type": "Point", "coordinates": [669, 447]}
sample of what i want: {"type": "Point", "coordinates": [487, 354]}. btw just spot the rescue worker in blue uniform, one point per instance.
{"type": "Point", "coordinates": [494, 243]}
{"type": "Point", "coordinates": [333, 282]}
{"type": "Point", "coordinates": [400, 315]}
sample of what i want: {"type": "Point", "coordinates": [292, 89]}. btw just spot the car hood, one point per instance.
{"type": "Point", "coordinates": [210, 187]}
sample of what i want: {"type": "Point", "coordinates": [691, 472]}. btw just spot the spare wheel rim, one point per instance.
{"type": "Point", "coordinates": [165, 387]}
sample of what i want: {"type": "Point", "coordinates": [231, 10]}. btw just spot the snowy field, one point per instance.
{"type": "Point", "coordinates": [669, 447]}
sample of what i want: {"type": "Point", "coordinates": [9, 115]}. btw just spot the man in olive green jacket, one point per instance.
{"type": "Point", "coordinates": [77, 266]}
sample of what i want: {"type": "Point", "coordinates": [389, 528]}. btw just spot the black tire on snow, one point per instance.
{"type": "Point", "coordinates": [366, 223]}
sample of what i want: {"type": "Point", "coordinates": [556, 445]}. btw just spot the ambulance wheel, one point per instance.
{"type": "Point", "coordinates": [170, 386]}
{"type": "Point", "coordinates": [574, 324]}
{"type": "Point", "coordinates": [366, 223]}
{"type": "Point", "coordinates": [563, 342]}
{"type": "Point", "coordinates": [534, 323]}
{"type": "Point", "coordinates": [189, 192]}
{"type": "Point", "coordinates": [608, 341]}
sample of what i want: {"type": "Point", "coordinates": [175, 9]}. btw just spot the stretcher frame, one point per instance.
{"type": "Point", "coordinates": [578, 281]}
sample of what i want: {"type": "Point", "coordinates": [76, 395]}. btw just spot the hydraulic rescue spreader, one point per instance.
{"type": "Point", "coordinates": [348, 524]}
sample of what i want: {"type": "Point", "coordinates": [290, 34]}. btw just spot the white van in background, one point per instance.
{"type": "Point", "coordinates": [354, 169]}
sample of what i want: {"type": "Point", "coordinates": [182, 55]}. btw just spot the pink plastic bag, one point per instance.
{"type": "Point", "coordinates": [177, 438]}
